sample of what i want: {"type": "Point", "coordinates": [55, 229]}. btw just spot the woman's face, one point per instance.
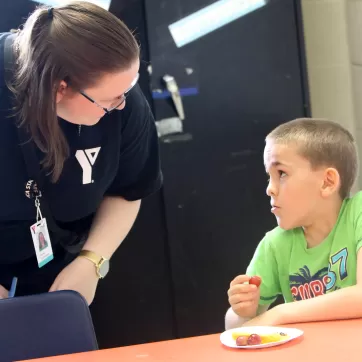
{"type": "Point", "coordinates": [75, 108]}
{"type": "Point", "coordinates": [41, 238]}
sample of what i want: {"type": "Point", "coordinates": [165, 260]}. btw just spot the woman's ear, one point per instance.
{"type": "Point", "coordinates": [331, 182]}
{"type": "Point", "coordinates": [61, 91]}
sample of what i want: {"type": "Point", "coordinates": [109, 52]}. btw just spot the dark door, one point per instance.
{"type": "Point", "coordinates": [236, 83]}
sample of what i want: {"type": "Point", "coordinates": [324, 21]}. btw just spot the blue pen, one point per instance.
{"type": "Point", "coordinates": [13, 287]}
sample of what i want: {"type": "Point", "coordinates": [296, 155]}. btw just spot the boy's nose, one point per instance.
{"type": "Point", "coordinates": [270, 190]}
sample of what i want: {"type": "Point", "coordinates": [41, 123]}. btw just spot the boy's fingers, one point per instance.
{"type": "Point", "coordinates": [242, 288]}
{"type": "Point", "coordinates": [240, 279]}
{"type": "Point", "coordinates": [242, 306]}
{"type": "Point", "coordinates": [241, 298]}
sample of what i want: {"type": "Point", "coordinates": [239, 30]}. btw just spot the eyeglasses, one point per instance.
{"type": "Point", "coordinates": [117, 103]}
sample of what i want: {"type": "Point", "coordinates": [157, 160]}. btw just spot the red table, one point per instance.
{"type": "Point", "coordinates": [328, 341]}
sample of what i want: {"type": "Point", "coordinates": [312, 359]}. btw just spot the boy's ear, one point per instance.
{"type": "Point", "coordinates": [331, 182]}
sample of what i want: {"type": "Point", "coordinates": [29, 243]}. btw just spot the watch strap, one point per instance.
{"type": "Point", "coordinates": [93, 257]}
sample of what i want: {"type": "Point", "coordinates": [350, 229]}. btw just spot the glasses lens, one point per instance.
{"type": "Point", "coordinates": [120, 101]}
{"type": "Point", "coordinates": [117, 103]}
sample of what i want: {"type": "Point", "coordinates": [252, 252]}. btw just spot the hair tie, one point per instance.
{"type": "Point", "coordinates": [50, 13]}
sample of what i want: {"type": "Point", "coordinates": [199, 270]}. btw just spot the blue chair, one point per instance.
{"type": "Point", "coordinates": [45, 325]}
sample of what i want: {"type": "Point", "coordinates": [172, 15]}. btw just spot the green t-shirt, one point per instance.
{"type": "Point", "coordinates": [288, 268]}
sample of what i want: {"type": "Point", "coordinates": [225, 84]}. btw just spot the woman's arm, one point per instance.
{"type": "Point", "coordinates": [138, 177]}
{"type": "Point", "coordinates": [113, 221]}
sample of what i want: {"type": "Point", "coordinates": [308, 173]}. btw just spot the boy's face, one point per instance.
{"type": "Point", "coordinates": [294, 188]}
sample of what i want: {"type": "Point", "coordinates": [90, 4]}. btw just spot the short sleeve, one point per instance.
{"type": "Point", "coordinates": [357, 218]}
{"type": "Point", "coordinates": [139, 174]}
{"type": "Point", "coordinates": [264, 265]}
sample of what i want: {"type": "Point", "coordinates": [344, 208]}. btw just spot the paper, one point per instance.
{"type": "Point", "coordinates": [210, 18]}
{"type": "Point", "coordinates": [102, 3]}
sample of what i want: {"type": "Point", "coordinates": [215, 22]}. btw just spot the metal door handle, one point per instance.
{"type": "Point", "coordinates": [173, 88]}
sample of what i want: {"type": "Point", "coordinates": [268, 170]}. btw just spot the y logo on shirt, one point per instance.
{"type": "Point", "coordinates": [87, 159]}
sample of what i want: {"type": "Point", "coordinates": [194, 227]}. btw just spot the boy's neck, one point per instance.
{"type": "Point", "coordinates": [323, 223]}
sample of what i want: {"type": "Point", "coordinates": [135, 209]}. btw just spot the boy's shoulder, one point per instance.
{"type": "Point", "coordinates": [353, 205]}
{"type": "Point", "coordinates": [356, 199]}
{"type": "Point", "coordinates": [276, 238]}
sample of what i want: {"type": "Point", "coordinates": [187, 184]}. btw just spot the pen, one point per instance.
{"type": "Point", "coordinates": [13, 287]}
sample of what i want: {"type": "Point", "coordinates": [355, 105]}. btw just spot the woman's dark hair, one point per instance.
{"type": "Point", "coordinates": [77, 43]}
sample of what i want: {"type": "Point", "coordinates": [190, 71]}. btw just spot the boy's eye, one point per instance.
{"type": "Point", "coordinates": [282, 173]}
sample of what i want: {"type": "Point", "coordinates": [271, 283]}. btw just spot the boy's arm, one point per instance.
{"type": "Point", "coordinates": [344, 303]}
{"type": "Point", "coordinates": [264, 265]}
{"type": "Point", "coordinates": [232, 320]}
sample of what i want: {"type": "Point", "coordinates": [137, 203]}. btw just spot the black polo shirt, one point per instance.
{"type": "Point", "coordinates": [118, 156]}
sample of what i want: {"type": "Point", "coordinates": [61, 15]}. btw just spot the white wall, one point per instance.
{"type": "Point", "coordinates": [354, 23]}
{"type": "Point", "coordinates": [331, 75]}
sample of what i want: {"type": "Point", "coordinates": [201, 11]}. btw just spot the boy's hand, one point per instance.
{"type": "Point", "coordinates": [244, 298]}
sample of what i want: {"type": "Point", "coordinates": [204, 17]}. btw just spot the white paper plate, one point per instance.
{"type": "Point", "coordinates": [227, 339]}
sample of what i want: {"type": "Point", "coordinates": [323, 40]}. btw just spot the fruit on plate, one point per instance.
{"type": "Point", "coordinates": [253, 338]}
{"type": "Point", "coordinates": [242, 341]}
{"type": "Point", "coordinates": [255, 280]}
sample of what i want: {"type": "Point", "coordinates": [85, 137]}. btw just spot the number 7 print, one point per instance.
{"type": "Point", "coordinates": [341, 256]}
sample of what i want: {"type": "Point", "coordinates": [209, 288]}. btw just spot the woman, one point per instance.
{"type": "Point", "coordinates": [68, 74]}
{"type": "Point", "coordinates": [42, 241]}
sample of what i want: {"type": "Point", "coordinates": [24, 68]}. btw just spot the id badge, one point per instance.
{"type": "Point", "coordinates": [42, 244]}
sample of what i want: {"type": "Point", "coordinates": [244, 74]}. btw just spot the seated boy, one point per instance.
{"type": "Point", "coordinates": [313, 257]}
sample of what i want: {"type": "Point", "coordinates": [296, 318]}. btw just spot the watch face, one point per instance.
{"type": "Point", "coordinates": [104, 268]}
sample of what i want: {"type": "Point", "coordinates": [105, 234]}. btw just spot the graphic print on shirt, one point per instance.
{"type": "Point", "coordinates": [303, 285]}
{"type": "Point", "coordinates": [87, 159]}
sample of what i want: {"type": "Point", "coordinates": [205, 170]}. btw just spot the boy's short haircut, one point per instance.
{"type": "Point", "coordinates": [322, 143]}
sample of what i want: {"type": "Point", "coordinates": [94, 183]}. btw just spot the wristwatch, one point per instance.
{"type": "Point", "coordinates": [101, 263]}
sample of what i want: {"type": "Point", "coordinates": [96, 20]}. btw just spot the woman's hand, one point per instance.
{"type": "Point", "coordinates": [3, 292]}
{"type": "Point", "coordinates": [81, 276]}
